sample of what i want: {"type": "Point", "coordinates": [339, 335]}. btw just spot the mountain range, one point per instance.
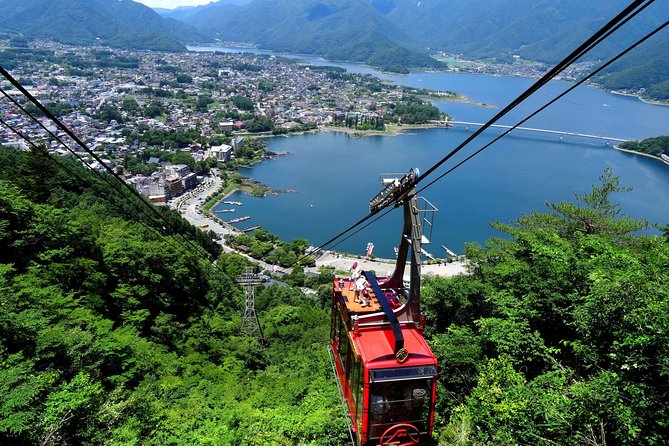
{"type": "Point", "coordinates": [351, 30]}
{"type": "Point", "coordinates": [117, 23]}
{"type": "Point", "coordinates": [403, 32]}
{"type": "Point", "coordinates": [393, 35]}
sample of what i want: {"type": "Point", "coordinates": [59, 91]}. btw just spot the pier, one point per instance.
{"type": "Point", "coordinates": [251, 229]}
{"type": "Point", "coordinates": [608, 139]}
{"type": "Point", "coordinates": [237, 220]}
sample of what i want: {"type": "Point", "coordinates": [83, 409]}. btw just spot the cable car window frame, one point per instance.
{"type": "Point", "coordinates": [381, 419]}
{"type": "Point", "coordinates": [357, 390]}
{"type": "Point", "coordinates": [402, 373]}
{"type": "Point", "coordinates": [344, 345]}
{"type": "Point", "coordinates": [334, 321]}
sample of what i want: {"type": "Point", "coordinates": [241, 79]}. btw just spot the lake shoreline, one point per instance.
{"type": "Point", "coordinates": [305, 57]}
{"type": "Point", "coordinates": [632, 95]}
{"type": "Point", "coordinates": [647, 155]}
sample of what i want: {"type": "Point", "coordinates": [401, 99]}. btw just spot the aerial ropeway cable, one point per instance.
{"type": "Point", "coordinates": [399, 194]}
{"type": "Point", "coordinates": [598, 37]}
{"type": "Point", "coordinates": [149, 208]}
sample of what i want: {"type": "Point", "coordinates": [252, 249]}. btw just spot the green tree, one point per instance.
{"type": "Point", "coordinates": [242, 103]}
{"type": "Point", "coordinates": [554, 319]}
{"type": "Point", "coordinates": [184, 79]}
{"type": "Point", "coordinates": [130, 105]}
{"type": "Point", "coordinates": [260, 124]}
{"type": "Point", "coordinates": [110, 113]}
{"type": "Point", "coordinates": [153, 110]}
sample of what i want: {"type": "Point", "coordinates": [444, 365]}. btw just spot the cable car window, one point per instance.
{"type": "Point", "coordinates": [343, 344]}
{"type": "Point", "coordinates": [394, 402]}
{"type": "Point", "coordinates": [402, 373]}
{"type": "Point", "coordinates": [356, 389]}
{"type": "Point", "coordinates": [334, 322]}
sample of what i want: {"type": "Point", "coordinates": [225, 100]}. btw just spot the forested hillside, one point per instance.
{"type": "Point", "coordinates": [113, 334]}
{"type": "Point", "coordinates": [341, 30]}
{"type": "Point", "coordinates": [645, 70]}
{"type": "Point", "coordinates": [657, 146]}
{"type": "Point", "coordinates": [118, 23]}
{"type": "Point", "coordinates": [396, 34]}
{"type": "Point", "coordinates": [561, 333]}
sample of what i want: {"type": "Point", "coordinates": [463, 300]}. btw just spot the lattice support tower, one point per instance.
{"type": "Point", "coordinates": [250, 325]}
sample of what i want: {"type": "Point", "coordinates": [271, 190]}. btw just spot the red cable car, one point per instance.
{"type": "Point", "coordinates": [384, 368]}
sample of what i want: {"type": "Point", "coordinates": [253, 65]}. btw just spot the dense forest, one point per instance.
{"type": "Point", "coordinates": [114, 333]}
{"type": "Point", "coordinates": [653, 146]}
{"type": "Point", "coordinates": [560, 334]}
{"type": "Point", "coordinates": [120, 24]}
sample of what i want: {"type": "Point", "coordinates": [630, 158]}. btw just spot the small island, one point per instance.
{"type": "Point", "coordinates": [657, 147]}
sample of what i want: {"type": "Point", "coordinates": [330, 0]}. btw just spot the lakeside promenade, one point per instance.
{"type": "Point", "coordinates": [190, 207]}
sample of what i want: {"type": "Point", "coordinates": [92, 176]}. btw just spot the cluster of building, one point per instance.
{"type": "Point", "coordinates": [514, 65]}
{"type": "Point", "coordinates": [170, 182]}
{"type": "Point", "coordinates": [80, 89]}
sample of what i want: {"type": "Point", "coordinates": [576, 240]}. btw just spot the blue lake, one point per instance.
{"type": "Point", "coordinates": [335, 175]}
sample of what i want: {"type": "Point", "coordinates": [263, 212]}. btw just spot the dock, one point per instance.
{"type": "Point", "coordinates": [451, 253]}
{"type": "Point", "coordinates": [237, 220]}
{"type": "Point", "coordinates": [251, 229]}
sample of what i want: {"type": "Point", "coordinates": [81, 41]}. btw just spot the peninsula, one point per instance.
{"type": "Point", "coordinates": [657, 148]}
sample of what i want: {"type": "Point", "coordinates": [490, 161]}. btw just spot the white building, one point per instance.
{"type": "Point", "coordinates": [222, 153]}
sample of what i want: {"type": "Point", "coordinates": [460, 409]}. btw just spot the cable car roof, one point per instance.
{"type": "Point", "coordinates": [375, 347]}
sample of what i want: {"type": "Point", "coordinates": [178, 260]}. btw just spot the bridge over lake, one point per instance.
{"type": "Point", "coordinates": [608, 139]}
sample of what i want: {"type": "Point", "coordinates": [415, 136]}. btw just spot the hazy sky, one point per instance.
{"type": "Point", "coordinates": [171, 4]}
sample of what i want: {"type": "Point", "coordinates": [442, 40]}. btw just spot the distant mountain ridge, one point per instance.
{"type": "Point", "coordinates": [399, 32]}
{"type": "Point", "coordinates": [118, 23]}
{"type": "Point", "coordinates": [393, 35]}
{"type": "Point", "coordinates": [342, 29]}
{"type": "Point", "coordinates": [541, 30]}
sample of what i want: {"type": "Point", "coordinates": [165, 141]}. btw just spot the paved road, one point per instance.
{"type": "Point", "coordinates": [385, 267]}
{"type": "Point", "coordinates": [190, 207]}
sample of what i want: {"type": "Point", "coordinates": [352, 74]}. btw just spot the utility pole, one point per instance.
{"type": "Point", "coordinates": [250, 323]}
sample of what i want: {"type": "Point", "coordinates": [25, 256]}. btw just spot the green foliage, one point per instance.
{"type": "Point", "coordinates": [184, 79]}
{"type": "Point", "coordinates": [413, 111]}
{"type": "Point", "coordinates": [202, 103]}
{"type": "Point", "coordinates": [242, 103]}
{"type": "Point", "coordinates": [106, 59]}
{"type": "Point", "coordinates": [153, 110]}
{"type": "Point", "coordinates": [110, 113]}
{"type": "Point", "coordinates": [556, 335]}
{"type": "Point", "coordinates": [600, 215]}
{"type": "Point", "coordinates": [262, 245]}
{"type": "Point", "coordinates": [95, 22]}
{"type": "Point", "coordinates": [644, 71]}
{"type": "Point", "coordinates": [130, 105]}
{"type": "Point", "coordinates": [111, 333]}
{"type": "Point", "coordinates": [260, 124]}
{"type": "Point", "coordinates": [57, 108]}
{"type": "Point", "coordinates": [304, 127]}
{"type": "Point", "coordinates": [165, 139]}
{"type": "Point", "coordinates": [653, 146]}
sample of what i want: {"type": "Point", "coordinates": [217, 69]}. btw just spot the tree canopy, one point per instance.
{"type": "Point", "coordinates": [112, 332]}
{"type": "Point", "coordinates": [653, 146]}
{"type": "Point", "coordinates": [559, 335]}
